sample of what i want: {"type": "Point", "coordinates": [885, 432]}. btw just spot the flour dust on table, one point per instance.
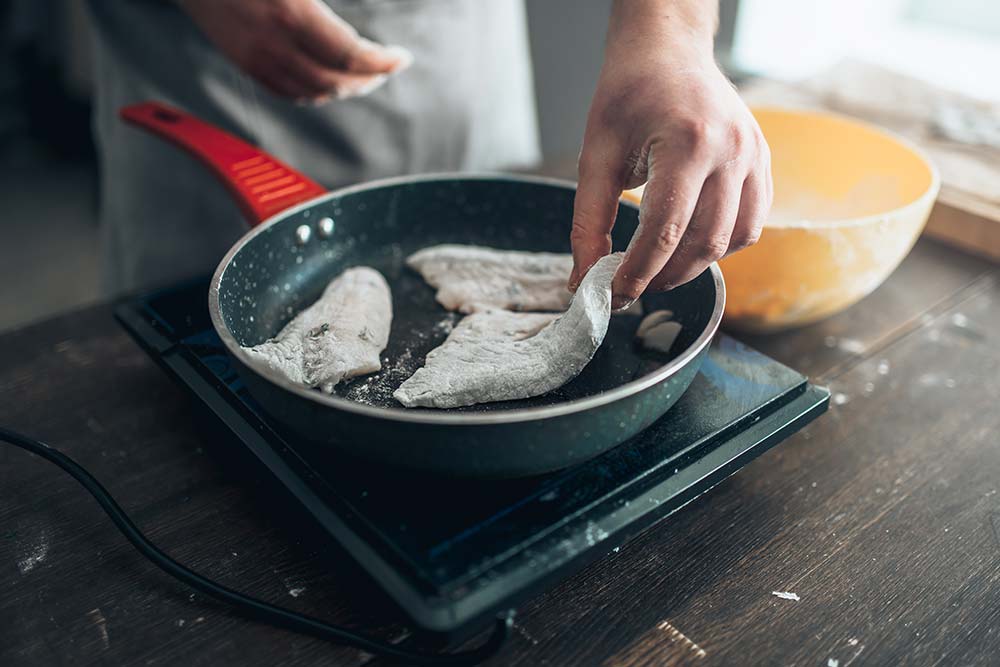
{"type": "Point", "coordinates": [338, 337]}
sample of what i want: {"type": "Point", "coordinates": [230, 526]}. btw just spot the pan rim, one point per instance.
{"type": "Point", "coordinates": [408, 415]}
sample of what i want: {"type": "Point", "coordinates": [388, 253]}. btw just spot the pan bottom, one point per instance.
{"type": "Point", "coordinates": [420, 324]}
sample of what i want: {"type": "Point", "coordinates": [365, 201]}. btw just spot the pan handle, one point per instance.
{"type": "Point", "coordinates": [261, 184]}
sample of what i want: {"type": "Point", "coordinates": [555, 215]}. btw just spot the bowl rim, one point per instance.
{"type": "Point", "coordinates": [920, 201]}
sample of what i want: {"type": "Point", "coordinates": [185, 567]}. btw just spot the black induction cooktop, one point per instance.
{"type": "Point", "coordinates": [453, 553]}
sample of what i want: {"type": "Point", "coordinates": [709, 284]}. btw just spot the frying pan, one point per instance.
{"type": "Point", "coordinates": [302, 236]}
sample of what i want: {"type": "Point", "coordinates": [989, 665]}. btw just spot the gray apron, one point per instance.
{"type": "Point", "coordinates": [466, 103]}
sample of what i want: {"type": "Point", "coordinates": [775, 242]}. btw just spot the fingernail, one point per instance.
{"type": "Point", "coordinates": [361, 89]}
{"type": "Point", "coordinates": [620, 303]}
{"type": "Point", "coordinates": [404, 55]}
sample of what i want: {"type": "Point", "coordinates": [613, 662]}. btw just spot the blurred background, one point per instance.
{"type": "Point", "coordinates": [825, 53]}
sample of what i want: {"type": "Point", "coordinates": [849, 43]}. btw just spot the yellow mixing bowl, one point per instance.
{"type": "Point", "coordinates": [850, 201]}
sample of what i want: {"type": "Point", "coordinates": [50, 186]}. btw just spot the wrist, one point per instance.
{"type": "Point", "coordinates": [682, 29]}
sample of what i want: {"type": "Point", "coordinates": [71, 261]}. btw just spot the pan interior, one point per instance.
{"type": "Point", "coordinates": [273, 276]}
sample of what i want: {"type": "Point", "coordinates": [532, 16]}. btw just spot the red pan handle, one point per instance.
{"type": "Point", "coordinates": [261, 184]}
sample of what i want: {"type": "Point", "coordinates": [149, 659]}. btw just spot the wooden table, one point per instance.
{"type": "Point", "coordinates": [883, 516]}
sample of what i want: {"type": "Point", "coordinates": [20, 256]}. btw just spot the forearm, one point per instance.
{"type": "Point", "coordinates": [685, 28]}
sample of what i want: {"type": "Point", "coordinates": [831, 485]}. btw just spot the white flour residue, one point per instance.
{"type": "Point", "coordinates": [446, 325]}
{"type": "Point", "coordinates": [678, 636]}
{"type": "Point", "coordinates": [594, 533]}
{"type": "Point", "coordinates": [35, 555]}
{"type": "Point", "coordinates": [936, 380]}
{"type": "Point", "coordinates": [377, 389]}
{"type": "Point", "coordinates": [521, 630]}
{"type": "Point", "coordinates": [851, 346]}
{"type": "Point", "coordinates": [785, 595]}
{"type": "Point", "coordinates": [295, 588]}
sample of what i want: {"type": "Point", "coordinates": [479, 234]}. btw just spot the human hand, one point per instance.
{"type": "Point", "coordinates": [665, 115]}
{"type": "Point", "coordinates": [296, 48]}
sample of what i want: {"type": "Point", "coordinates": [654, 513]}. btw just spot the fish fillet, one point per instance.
{"type": "Point", "coordinates": [497, 355]}
{"type": "Point", "coordinates": [470, 278]}
{"type": "Point", "coordinates": [658, 331]}
{"type": "Point", "coordinates": [338, 337]}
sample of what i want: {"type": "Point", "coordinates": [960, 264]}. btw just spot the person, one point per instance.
{"type": "Point", "coordinates": [320, 84]}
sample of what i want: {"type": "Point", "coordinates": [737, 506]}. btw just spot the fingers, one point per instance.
{"type": "Point", "coordinates": [335, 44]}
{"type": "Point", "coordinates": [769, 179]}
{"type": "Point", "coordinates": [313, 81]}
{"type": "Point", "coordinates": [707, 238]}
{"type": "Point", "coordinates": [594, 210]}
{"type": "Point", "coordinates": [296, 48]}
{"type": "Point", "coordinates": [667, 205]}
{"type": "Point", "coordinates": [279, 79]}
{"type": "Point", "coordinates": [755, 201]}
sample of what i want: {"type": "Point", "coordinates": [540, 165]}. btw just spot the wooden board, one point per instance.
{"type": "Point", "coordinates": [967, 226]}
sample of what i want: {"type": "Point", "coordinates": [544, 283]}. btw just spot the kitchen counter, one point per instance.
{"type": "Point", "coordinates": [883, 516]}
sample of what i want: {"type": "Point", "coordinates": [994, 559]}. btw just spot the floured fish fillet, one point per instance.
{"type": "Point", "coordinates": [497, 356]}
{"type": "Point", "coordinates": [338, 337]}
{"type": "Point", "coordinates": [470, 278]}
{"type": "Point", "coordinates": [658, 332]}
{"type": "Point", "coordinates": [654, 318]}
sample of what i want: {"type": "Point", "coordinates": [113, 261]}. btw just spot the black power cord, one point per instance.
{"type": "Point", "coordinates": [252, 608]}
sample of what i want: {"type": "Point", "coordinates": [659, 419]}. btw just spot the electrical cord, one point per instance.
{"type": "Point", "coordinates": [250, 607]}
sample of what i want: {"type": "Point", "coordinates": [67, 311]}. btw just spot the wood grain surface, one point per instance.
{"type": "Point", "coordinates": [883, 516]}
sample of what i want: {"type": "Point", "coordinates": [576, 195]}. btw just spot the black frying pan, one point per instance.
{"type": "Point", "coordinates": [303, 236]}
